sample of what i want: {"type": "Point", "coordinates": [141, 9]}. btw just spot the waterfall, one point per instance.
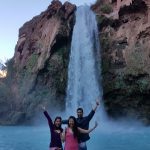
{"type": "Point", "coordinates": [84, 72]}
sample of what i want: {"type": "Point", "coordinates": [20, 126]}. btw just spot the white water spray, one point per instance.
{"type": "Point", "coordinates": [84, 73]}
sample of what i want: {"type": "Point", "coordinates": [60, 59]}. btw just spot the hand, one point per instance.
{"type": "Point", "coordinates": [43, 108]}
{"type": "Point", "coordinates": [97, 102]}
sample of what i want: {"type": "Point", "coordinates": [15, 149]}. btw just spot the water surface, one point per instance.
{"type": "Point", "coordinates": [37, 138]}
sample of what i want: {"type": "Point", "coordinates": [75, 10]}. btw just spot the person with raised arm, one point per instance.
{"type": "Point", "coordinates": [55, 131]}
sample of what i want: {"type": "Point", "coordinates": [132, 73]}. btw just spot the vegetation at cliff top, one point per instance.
{"type": "Point", "coordinates": [106, 8]}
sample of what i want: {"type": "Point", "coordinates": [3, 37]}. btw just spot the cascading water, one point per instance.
{"type": "Point", "coordinates": [84, 73]}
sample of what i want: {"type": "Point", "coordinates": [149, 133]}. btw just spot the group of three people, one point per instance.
{"type": "Point", "coordinates": [75, 135]}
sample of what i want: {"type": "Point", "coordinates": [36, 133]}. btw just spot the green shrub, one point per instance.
{"type": "Point", "coordinates": [100, 19]}
{"type": "Point", "coordinates": [137, 60]}
{"type": "Point", "coordinates": [106, 8]}
{"type": "Point", "coordinates": [11, 70]}
{"type": "Point", "coordinates": [32, 62]}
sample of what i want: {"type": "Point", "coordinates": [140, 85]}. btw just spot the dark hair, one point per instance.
{"type": "Point", "coordinates": [81, 109]}
{"type": "Point", "coordinates": [75, 128]}
{"type": "Point", "coordinates": [58, 128]}
{"type": "Point", "coordinates": [58, 117]}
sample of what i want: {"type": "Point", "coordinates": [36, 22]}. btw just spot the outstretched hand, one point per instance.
{"type": "Point", "coordinates": [43, 108]}
{"type": "Point", "coordinates": [97, 102]}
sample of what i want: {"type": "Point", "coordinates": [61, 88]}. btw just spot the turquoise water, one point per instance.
{"type": "Point", "coordinates": [37, 138]}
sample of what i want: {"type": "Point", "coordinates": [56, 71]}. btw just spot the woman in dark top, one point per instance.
{"type": "Point", "coordinates": [55, 130]}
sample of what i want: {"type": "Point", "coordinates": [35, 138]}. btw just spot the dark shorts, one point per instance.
{"type": "Point", "coordinates": [82, 146]}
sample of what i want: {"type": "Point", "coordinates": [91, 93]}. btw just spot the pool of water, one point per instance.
{"type": "Point", "coordinates": [37, 138]}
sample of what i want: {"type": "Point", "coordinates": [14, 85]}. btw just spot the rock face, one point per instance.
{"type": "Point", "coordinates": [125, 44]}
{"type": "Point", "coordinates": [37, 73]}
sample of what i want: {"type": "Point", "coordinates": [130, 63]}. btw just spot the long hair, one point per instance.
{"type": "Point", "coordinates": [75, 128]}
{"type": "Point", "coordinates": [58, 128]}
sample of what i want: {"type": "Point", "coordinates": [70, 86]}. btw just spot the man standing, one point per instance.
{"type": "Point", "coordinates": [83, 122]}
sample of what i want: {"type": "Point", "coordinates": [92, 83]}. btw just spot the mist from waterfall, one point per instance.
{"type": "Point", "coordinates": [84, 72]}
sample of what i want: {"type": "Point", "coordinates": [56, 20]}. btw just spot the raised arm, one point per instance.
{"type": "Point", "coordinates": [50, 122]}
{"type": "Point", "coordinates": [87, 131]}
{"type": "Point", "coordinates": [97, 104]}
{"type": "Point", "coordinates": [91, 114]}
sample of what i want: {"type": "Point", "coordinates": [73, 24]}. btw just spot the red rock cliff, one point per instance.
{"type": "Point", "coordinates": [37, 73]}
{"type": "Point", "coordinates": [124, 28]}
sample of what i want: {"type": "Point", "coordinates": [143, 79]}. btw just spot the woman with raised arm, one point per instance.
{"type": "Point", "coordinates": [55, 131]}
{"type": "Point", "coordinates": [71, 134]}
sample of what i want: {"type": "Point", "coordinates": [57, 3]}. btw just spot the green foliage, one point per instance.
{"type": "Point", "coordinates": [11, 70]}
{"type": "Point", "coordinates": [106, 8]}
{"type": "Point", "coordinates": [60, 57]}
{"type": "Point", "coordinates": [32, 62]}
{"type": "Point", "coordinates": [6, 96]}
{"type": "Point", "coordinates": [143, 85]}
{"type": "Point", "coordinates": [105, 65]}
{"type": "Point", "coordinates": [108, 86]}
{"type": "Point", "coordinates": [64, 53]}
{"type": "Point", "coordinates": [119, 83]}
{"type": "Point", "coordinates": [137, 61]}
{"type": "Point", "coordinates": [100, 19]}
{"type": "Point", "coordinates": [4, 92]}
{"type": "Point", "coordinates": [105, 43]}
{"type": "Point", "coordinates": [61, 81]}
{"type": "Point", "coordinates": [57, 68]}
{"type": "Point", "coordinates": [61, 51]}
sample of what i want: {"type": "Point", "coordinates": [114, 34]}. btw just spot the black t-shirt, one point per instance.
{"type": "Point", "coordinates": [84, 124]}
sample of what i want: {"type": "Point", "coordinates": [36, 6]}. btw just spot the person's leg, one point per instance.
{"type": "Point", "coordinates": [82, 146]}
